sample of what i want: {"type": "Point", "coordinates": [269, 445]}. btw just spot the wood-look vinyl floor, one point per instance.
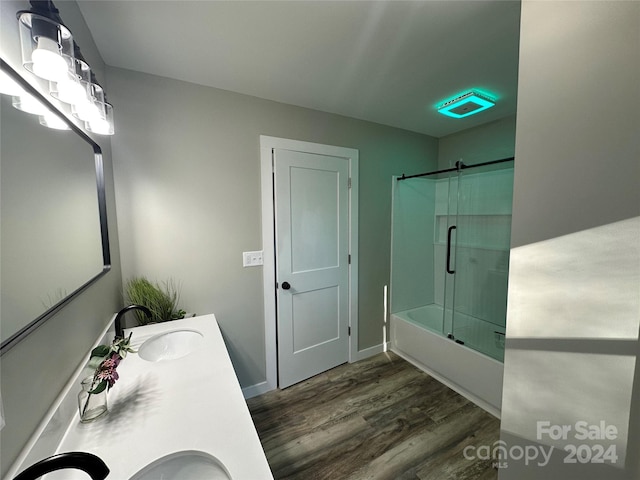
{"type": "Point", "coordinates": [380, 418]}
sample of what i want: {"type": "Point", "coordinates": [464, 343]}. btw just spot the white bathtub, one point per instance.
{"type": "Point", "coordinates": [429, 316]}
{"type": "Point", "coordinates": [416, 335]}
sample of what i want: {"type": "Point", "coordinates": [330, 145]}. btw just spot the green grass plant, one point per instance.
{"type": "Point", "coordinates": [161, 300]}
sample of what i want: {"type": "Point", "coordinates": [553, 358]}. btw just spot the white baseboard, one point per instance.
{"type": "Point", "coordinates": [369, 352]}
{"type": "Point", "coordinates": [257, 389]}
{"type": "Point", "coordinates": [264, 387]}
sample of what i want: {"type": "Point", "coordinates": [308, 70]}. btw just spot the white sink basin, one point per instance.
{"type": "Point", "coordinates": [170, 345]}
{"type": "Point", "coordinates": [192, 465]}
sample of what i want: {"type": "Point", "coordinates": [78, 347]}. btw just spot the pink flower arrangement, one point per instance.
{"type": "Point", "coordinates": [105, 375]}
{"type": "Point", "coordinates": [107, 370]}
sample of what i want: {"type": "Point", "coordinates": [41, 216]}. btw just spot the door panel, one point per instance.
{"type": "Point", "coordinates": [311, 205]}
{"type": "Point", "coordinates": [314, 230]}
{"type": "Point", "coordinates": [316, 315]}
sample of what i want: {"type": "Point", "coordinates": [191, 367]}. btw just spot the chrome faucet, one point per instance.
{"type": "Point", "coordinates": [87, 462]}
{"type": "Point", "coordinates": [118, 320]}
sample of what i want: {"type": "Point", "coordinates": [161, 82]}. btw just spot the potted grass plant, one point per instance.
{"type": "Point", "coordinates": [161, 299]}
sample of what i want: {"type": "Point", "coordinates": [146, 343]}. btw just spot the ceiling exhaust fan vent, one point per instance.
{"type": "Point", "coordinates": [466, 104]}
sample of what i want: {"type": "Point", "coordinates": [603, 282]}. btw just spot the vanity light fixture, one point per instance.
{"type": "Point", "coordinates": [103, 123]}
{"type": "Point", "coordinates": [86, 109]}
{"type": "Point", "coordinates": [51, 120]}
{"type": "Point", "coordinates": [45, 41]}
{"type": "Point", "coordinates": [25, 102]}
{"type": "Point", "coordinates": [72, 88]}
{"type": "Point", "coordinates": [465, 104]}
{"type": "Point", "coordinates": [49, 52]}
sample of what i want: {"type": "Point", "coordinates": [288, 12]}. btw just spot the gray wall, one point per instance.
{"type": "Point", "coordinates": [572, 351]}
{"type": "Point", "coordinates": [35, 370]}
{"type": "Point", "coordinates": [187, 168]}
{"type": "Point", "coordinates": [491, 141]}
{"type": "Point", "coordinates": [577, 118]}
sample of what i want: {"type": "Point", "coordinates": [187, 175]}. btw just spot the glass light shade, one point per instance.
{"type": "Point", "coordinates": [104, 124]}
{"type": "Point", "coordinates": [89, 109]}
{"type": "Point", "coordinates": [81, 68]}
{"type": "Point", "coordinates": [97, 92]}
{"type": "Point", "coordinates": [73, 87]}
{"type": "Point", "coordinates": [44, 44]}
{"type": "Point", "coordinates": [29, 104]}
{"type": "Point", "coordinates": [70, 90]}
{"type": "Point", "coordinates": [47, 61]}
{"type": "Point", "coordinates": [51, 120]}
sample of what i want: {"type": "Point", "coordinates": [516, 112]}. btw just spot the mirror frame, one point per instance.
{"type": "Point", "coordinates": [102, 212]}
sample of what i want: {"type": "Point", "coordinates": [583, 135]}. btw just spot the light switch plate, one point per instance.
{"type": "Point", "coordinates": [252, 259]}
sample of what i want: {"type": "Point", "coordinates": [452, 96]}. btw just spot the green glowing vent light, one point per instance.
{"type": "Point", "coordinates": [466, 104]}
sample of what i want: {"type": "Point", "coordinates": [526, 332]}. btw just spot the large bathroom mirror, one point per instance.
{"type": "Point", "coordinates": [54, 239]}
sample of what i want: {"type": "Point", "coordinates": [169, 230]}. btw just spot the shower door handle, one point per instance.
{"type": "Point", "coordinates": [449, 232]}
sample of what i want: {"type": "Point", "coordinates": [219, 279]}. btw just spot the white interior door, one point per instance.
{"type": "Point", "coordinates": [312, 263]}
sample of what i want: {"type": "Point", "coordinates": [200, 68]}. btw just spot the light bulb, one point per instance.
{"type": "Point", "coordinates": [104, 124]}
{"type": "Point", "coordinates": [47, 61]}
{"type": "Point", "coordinates": [100, 126]}
{"type": "Point", "coordinates": [29, 104]}
{"type": "Point", "coordinates": [51, 120]}
{"type": "Point", "coordinates": [70, 90]}
{"type": "Point", "coordinates": [87, 111]}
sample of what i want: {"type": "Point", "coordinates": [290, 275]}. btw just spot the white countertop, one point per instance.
{"type": "Point", "coordinates": [155, 409]}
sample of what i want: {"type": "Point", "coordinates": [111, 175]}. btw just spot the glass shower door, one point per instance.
{"type": "Point", "coordinates": [448, 194]}
{"type": "Point", "coordinates": [480, 257]}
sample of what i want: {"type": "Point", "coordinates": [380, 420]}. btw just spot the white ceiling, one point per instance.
{"type": "Point", "coordinates": [389, 62]}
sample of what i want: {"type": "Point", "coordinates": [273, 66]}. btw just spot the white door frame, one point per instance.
{"type": "Point", "coordinates": [267, 144]}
